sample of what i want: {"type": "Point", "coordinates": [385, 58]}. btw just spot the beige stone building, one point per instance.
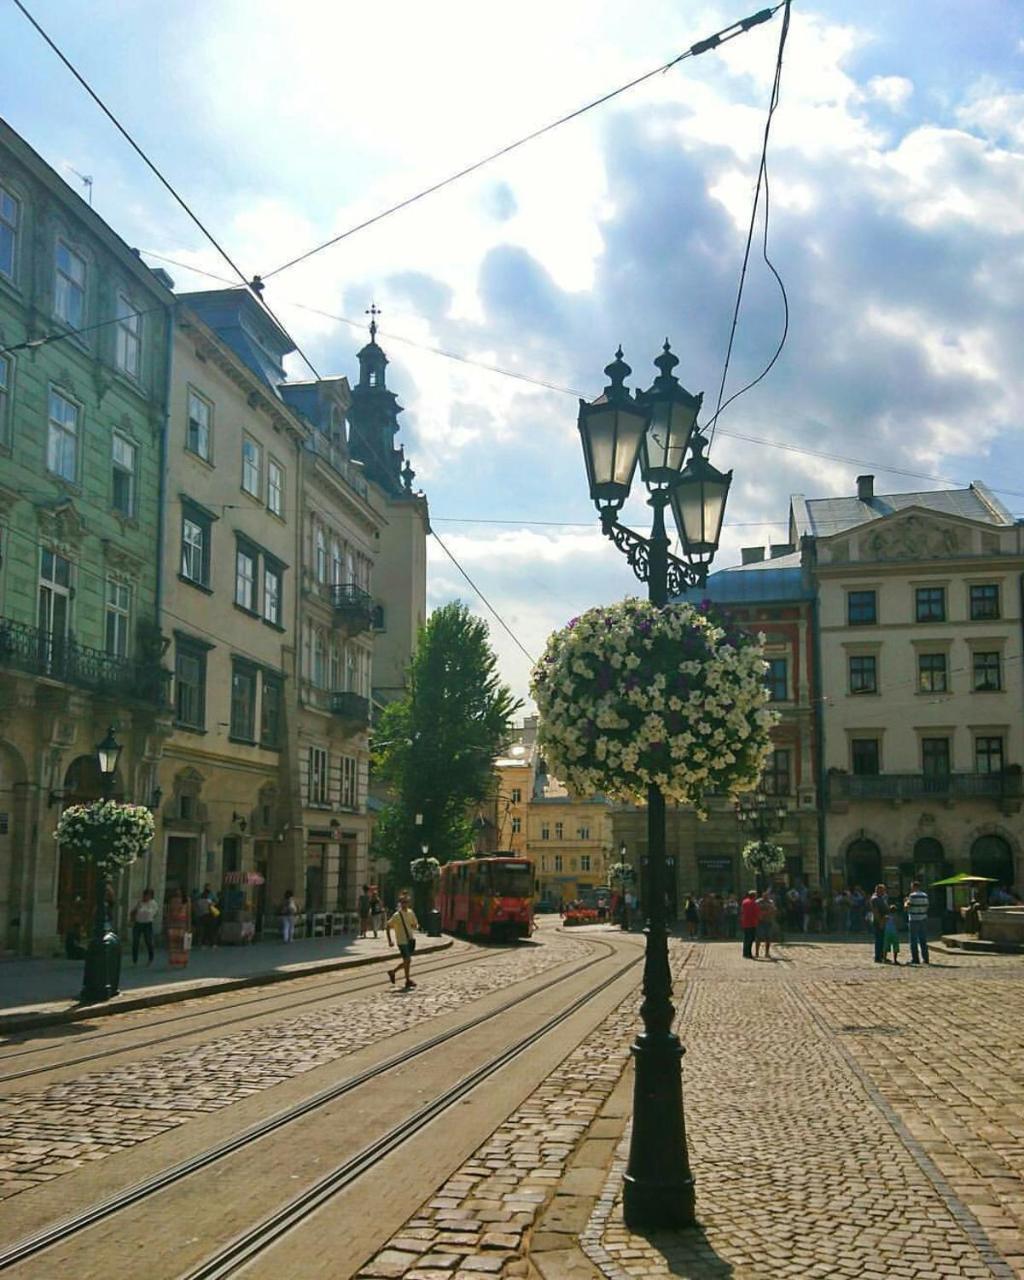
{"type": "Point", "coordinates": [920, 656]}
{"type": "Point", "coordinates": [570, 839]}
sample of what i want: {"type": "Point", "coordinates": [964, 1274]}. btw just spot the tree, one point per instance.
{"type": "Point", "coordinates": [435, 747]}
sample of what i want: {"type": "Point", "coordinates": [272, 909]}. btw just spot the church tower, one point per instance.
{"type": "Point", "coordinates": [373, 418]}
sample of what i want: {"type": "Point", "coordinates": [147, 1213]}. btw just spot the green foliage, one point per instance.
{"type": "Point", "coordinates": [435, 748]}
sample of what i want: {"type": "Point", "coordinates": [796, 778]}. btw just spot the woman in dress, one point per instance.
{"type": "Point", "coordinates": [177, 923]}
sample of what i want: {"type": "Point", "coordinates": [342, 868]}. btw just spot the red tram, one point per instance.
{"type": "Point", "coordinates": [488, 897]}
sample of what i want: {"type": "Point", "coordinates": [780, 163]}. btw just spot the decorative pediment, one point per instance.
{"type": "Point", "coordinates": [59, 522]}
{"type": "Point", "coordinates": [913, 537]}
{"type": "Point", "coordinates": [120, 560]}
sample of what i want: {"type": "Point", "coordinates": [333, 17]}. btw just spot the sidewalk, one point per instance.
{"type": "Point", "coordinates": [42, 992]}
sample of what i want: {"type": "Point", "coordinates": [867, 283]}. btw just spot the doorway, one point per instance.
{"type": "Point", "coordinates": [863, 864]}
{"type": "Point", "coordinates": [182, 864]}
{"type": "Point", "coordinates": [991, 856]}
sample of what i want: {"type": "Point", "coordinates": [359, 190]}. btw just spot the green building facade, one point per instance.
{"type": "Point", "coordinates": [82, 430]}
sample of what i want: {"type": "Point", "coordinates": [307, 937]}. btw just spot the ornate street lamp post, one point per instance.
{"type": "Point", "coordinates": [658, 428]}
{"type": "Point", "coordinates": [102, 973]}
{"type": "Point", "coordinates": [763, 816]}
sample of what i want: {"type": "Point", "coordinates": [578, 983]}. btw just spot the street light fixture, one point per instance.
{"type": "Point", "coordinates": [659, 425]}
{"type": "Point", "coordinates": [102, 974]}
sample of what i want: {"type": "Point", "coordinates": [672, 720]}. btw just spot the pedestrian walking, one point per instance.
{"type": "Point", "coordinates": [691, 915]}
{"type": "Point", "coordinates": [177, 929]}
{"type": "Point", "coordinates": [402, 924]}
{"type": "Point", "coordinates": [731, 911]}
{"type": "Point", "coordinates": [363, 907]}
{"type": "Point", "coordinates": [376, 910]}
{"type": "Point", "coordinates": [205, 916]}
{"type": "Point", "coordinates": [750, 914]}
{"type": "Point", "coordinates": [916, 906]}
{"type": "Point", "coordinates": [289, 910]}
{"type": "Point", "coordinates": [858, 903]}
{"type": "Point", "coordinates": [767, 918]}
{"type": "Point", "coordinates": [891, 935]}
{"type": "Point", "coordinates": [878, 906]}
{"type": "Point", "coordinates": [143, 914]}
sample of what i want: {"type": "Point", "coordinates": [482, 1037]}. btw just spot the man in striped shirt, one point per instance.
{"type": "Point", "coordinates": [916, 904]}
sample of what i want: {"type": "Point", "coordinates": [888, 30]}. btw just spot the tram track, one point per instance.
{"type": "Point", "coordinates": [67, 1229]}
{"type": "Point", "coordinates": [350, 984]}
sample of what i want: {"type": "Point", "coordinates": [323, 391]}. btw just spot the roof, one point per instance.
{"type": "Point", "coordinates": [822, 517]}
{"type": "Point", "coordinates": [763, 582]}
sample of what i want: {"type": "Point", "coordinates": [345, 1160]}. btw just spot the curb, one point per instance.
{"type": "Point", "coordinates": [154, 996]}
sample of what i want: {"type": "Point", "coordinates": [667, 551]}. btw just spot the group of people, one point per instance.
{"type": "Point", "coordinates": [717, 915]}
{"type": "Point", "coordinates": [187, 918]}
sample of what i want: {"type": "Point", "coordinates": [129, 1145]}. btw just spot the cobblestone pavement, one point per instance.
{"type": "Point", "coordinates": [845, 1119]}
{"type": "Point", "coordinates": [62, 1127]}
{"type": "Point", "coordinates": [478, 1224]}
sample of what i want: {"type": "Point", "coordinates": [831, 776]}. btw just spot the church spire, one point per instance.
{"type": "Point", "coordinates": [373, 415]}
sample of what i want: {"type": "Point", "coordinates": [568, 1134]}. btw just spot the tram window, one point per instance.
{"type": "Point", "coordinates": [512, 880]}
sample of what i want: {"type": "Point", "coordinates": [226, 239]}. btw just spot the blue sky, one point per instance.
{"type": "Point", "coordinates": [897, 180]}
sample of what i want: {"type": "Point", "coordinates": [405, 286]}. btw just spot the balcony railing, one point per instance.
{"type": "Point", "coordinates": [43, 653]}
{"type": "Point", "coordinates": [920, 786]}
{"type": "Point", "coordinates": [353, 607]}
{"type": "Point", "coordinates": [351, 707]}
{"type": "Point", "coordinates": [319, 444]}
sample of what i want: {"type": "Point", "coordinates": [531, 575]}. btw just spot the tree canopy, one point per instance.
{"type": "Point", "coordinates": [435, 747]}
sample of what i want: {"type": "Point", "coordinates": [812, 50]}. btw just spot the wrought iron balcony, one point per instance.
{"type": "Point", "coordinates": [55, 657]}
{"type": "Point", "coordinates": [897, 787]}
{"type": "Point", "coordinates": [351, 707]}
{"type": "Point", "coordinates": [353, 607]}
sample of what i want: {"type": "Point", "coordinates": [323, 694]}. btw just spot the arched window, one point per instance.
{"type": "Point", "coordinates": [335, 562]}
{"type": "Point", "coordinates": [863, 864]}
{"type": "Point", "coordinates": [321, 555]}
{"type": "Point", "coordinates": [992, 856]}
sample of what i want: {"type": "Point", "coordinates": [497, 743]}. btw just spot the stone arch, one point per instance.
{"type": "Point", "coordinates": [862, 858]}
{"type": "Point", "coordinates": [990, 829]}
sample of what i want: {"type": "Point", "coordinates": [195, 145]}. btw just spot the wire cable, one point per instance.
{"type": "Point", "coordinates": [762, 179]}
{"type": "Point", "coordinates": [497, 615]}
{"type": "Point", "coordinates": [30, 344]}
{"type": "Point", "coordinates": [702, 46]}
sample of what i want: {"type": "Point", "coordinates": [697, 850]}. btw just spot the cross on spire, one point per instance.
{"type": "Point", "coordinates": [373, 311]}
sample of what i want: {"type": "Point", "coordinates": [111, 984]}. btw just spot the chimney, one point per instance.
{"type": "Point", "coordinates": [781, 549]}
{"type": "Point", "coordinates": [752, 555]}
{"type": "Point", "coordinates": [865, 488]}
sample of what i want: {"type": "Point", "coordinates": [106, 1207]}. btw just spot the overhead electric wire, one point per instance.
{"type": "Point", "coordinates": [702, 46]}
{"type": "Point", "coordinates": [437, 538]}
{"type": "Point", "coordinates": [762, 178]}
{"type": "Point", "coordinates": [58, 335]}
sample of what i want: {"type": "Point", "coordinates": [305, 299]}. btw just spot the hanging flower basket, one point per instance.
{"type": "Point", "coordinates": [631, 694]}
{"type": "Point", "coordinates": [763, 856]}
{"type": "Point", "coordinates": [424, 870]}
{"type": "Point", "coordinates": [620, 871]}
{"type": "Point", "coordinates": [106, 833]}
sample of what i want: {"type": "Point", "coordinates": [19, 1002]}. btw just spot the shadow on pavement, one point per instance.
{"type": "Point", "coordinates": [689, 1253]}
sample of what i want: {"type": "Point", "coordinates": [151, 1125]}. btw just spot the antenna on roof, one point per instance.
{"type": "Point", "coordinates": [83, 178]}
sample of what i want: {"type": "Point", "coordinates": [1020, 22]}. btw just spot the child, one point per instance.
{"type": "Point", "coordinates": [891, 936]}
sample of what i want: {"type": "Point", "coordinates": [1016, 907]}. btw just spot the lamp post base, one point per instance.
{"type": "Point", "coordinates": [102, 976]}
{"type": "Point", "coordinates": [658, 1190]}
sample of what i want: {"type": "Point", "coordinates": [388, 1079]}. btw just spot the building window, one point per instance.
{"type": "Point", "coordinates": [252, 467]}
{"type": "Point", "coordinates": [273, 589]}
{"type": "Point", "coordinates": [319, 659]}
{"type": "Point", "coordinates": [190, 684]}
{"type": "Point", "coordinates": [245, 577]}
{"type": "Point", "coordinates": [270, 711]}
{"type": "Point", "coordinates": [349, 782]}
{"type": "Point", "coordinates": [930, 604]}
{"type": "Point", "coordinates": [69, 286]}
{"type": "Point", "coordinates": [54, 608]}
{"type": "Point", "coordinates": [987, 675]}
{"type": "Point", "coordinates": [317, 776]}
{"type": "Point", "coordinates": [775, 779]}
{"type": "Point", "coordinates": [585, 862]}
{"type": "Point", "coordinates": [931, 672]}
{"type": "Point", "coordinates": [935, 757]}
{"type": "Point", "coordinates": [984, 602]}
{"type": "Point", "coordinates": [123, 463]}
{"type": "Point", "coordinates": [582, 833]}
{"type": "Point", "coordinates": [558, 830]}
{"type": "Point", "coordinates": [545, 831]}
{"type": "Point", "coordinates": [243, 702]}
{"type": "Point", "coordinates": [321, 555]}
{"type": "Point", "coordinates": [275, 487]}
{"type": "Point", "coordinates": [197, 431]}
{"type": "Point", "coordinates": [517, 795]}
{"type": "Point", "coordinates": [517, 826]}
{"type": "Point", "coordinates": [196, 532]}
{"type": "Point", "coordinates": [864, 757]}
{"type": "Point", "coordinates": [129, 336]}
{"type": "Point", "coordinates": [778, 679]}
{"type": "Point", "coordinates": [62, 438]}
{"type": "Point", "coordinates": [861, 607]}
{"type": "Point", "coordinates": [5, 400]}
{"type": "Point", "coordinates": [119, 600]}
{"type": "Point", "coordinates": [558, 862]}
{"type": "Point", "coordinates": [10, 217]}
{"type": "Point", "coordinates": [863, 673]}
{"type": "Point", "coordinates": [988, 755]}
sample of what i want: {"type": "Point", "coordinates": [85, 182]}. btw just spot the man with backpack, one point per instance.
{"type": "Point", "coordinates": [402, 924]}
